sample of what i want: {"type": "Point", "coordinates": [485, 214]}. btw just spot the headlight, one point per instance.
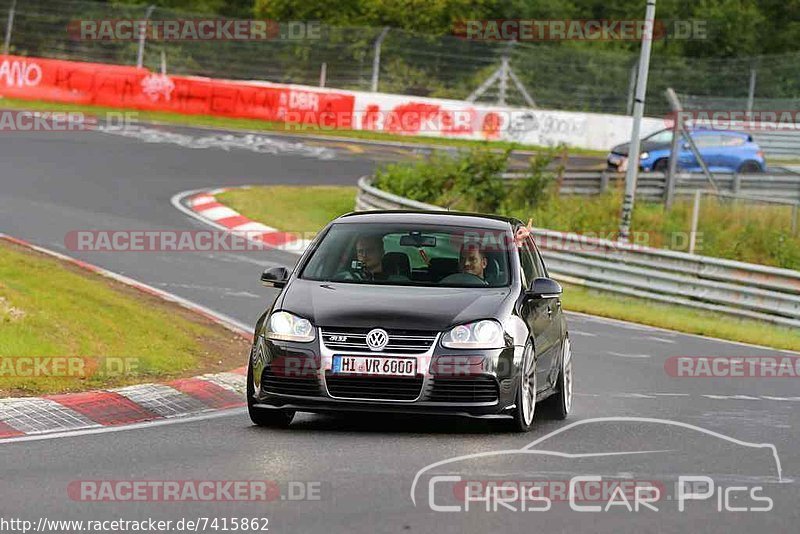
{"type": "Point", "coordinates": [284, 326]}
{"type": "Point", "coordinates": [478, 335]}
{"type": "Point", "coordinates": [644, 155]}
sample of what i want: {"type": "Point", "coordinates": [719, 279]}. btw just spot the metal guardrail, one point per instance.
{"type": "Point", "coordinates": [652, 185]}
{"type": "Point", "coordinates": [778, 144]}
{"type": "Point", "coordinates": [735, 288]}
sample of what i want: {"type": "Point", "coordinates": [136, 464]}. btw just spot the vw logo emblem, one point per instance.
{"type": "Point", "coordinates": [377, 338]}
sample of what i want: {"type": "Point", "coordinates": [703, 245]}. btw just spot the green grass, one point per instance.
{"type": "Point", "coordinates": [228, 123]}
{"type": "Point", "coordinates": [310, 208]}
{"type": "Point", "coordinates": [51, 309]}
{"type": "Point", "coordinates": [753, 233]}
{"type": "Point", "coordinates": [292, 208]}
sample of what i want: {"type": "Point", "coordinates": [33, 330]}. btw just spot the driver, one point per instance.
{"type": "Point", "coordinates": [369, 251]}
{"type": "Point", "coordinates": [472, 260]}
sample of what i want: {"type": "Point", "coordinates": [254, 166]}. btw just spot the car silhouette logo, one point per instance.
{"type": "Point", "coordinates": [377, 339]}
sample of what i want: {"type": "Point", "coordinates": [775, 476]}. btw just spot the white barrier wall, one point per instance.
{"type": "Point", "coordinates": [458, 119]}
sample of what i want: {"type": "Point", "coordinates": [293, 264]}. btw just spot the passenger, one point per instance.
{"type": "Point", "coordinates": [369, 251]}
{"type": "Point", "coordinates": [472, 260]}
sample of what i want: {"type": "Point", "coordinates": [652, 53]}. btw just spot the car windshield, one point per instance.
{"type": "Point", "coordinates": [664, 136]}
{"type": "Point", "coordinates": [411, 254]}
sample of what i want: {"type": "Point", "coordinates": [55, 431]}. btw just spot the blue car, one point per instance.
{"type": "Point", "coordinates": [721, 150]}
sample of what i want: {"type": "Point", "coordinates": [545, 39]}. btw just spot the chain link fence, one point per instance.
{"type": "Point", "coordinates": [568, 76]}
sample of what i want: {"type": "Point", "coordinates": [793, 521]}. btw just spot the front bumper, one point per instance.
{"type": "Point", "coordinates": [474, 383]}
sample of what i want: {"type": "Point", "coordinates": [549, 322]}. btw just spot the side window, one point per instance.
{"type": "Point", "coordinates": [707, 140]}
{"type": "Point", "coordinates": [527, 262]}
{"type": "Point", "coordinates": [539, 263]}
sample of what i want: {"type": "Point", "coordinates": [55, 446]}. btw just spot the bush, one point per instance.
{"type": "Point", "coordinates": [465, 181]}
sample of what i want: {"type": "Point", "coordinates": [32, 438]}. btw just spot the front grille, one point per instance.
{"type": "Point", "coordinates": [374, 387]}
{"type": "Point", "coordinates": [464, 389]}
{"type": "Point", "coordinates": [400, 341]}
{"type": "Point", "coordinates": [305, 384]}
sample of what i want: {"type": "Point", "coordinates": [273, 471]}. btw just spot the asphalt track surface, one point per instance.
{"type": "Point", "coordinates": [365, 466]}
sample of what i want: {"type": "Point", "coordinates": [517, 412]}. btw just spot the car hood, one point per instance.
{"type": "Point", "coordinates": [400, 307]}
{"type": "Point", "coordinates": [647, 146]}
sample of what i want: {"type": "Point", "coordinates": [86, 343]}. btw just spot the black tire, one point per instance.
{"type": "Point", "coordinates": [522, 415]}
{"type": "Point", "coordinates": [749, 167]}
{"type": "Point", "coordinates": [661, 165]}
{"type": "Point", "coordinates": [260, 416]}
{"type": "Point", "coordinates": [559, 405]}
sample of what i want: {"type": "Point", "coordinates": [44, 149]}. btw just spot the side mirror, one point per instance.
{"type": "Point", "coordinates": [545, 288]}
{"type": "Point", "coordinates": [275, 277]}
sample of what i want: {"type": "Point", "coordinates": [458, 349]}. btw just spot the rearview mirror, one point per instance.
{"type": "Point", "coordinates": [275, 277]}
{"type": "Point", "coordinates": [415, 239]}
{"type": "Point", "coordinates": [545, 288]}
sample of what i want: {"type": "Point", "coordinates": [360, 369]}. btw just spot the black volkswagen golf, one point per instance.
{"type": "Point", "coordinates": [413, 312]}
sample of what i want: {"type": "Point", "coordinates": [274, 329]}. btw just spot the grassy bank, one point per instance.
{"type": "Point", "coordinates": [88, 332]}
{"type": "Point", "coordinates": [753, 233]}
{"type": "Point", "coordinates": [312, 207]}
{"type": "Point", "coordinates": [228, 123]}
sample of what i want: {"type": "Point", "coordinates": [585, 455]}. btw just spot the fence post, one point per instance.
{"type": "Point", "coordinates": [672, 168]}
{"type": "Point", "coordinates": [9, 27]}
{"type": "Point", "coordinates": [795, 214]}
{"type": "Point", "coordinates": [376, 59]}
{"type": "Point", "coordinates": [751, 93]}
{"type": "Point", "coordinates": [695, 217]}
{"type": "Point", "coordinates": [631, 88]}
{"type": "Point", "coordinates": [143, 36]}
{"type": "Point", "coordinates": [323, 74]}
{"type": "Point", "coordinates": [502, 86]}
{"type": "Point", "coordinates": [736, 184]}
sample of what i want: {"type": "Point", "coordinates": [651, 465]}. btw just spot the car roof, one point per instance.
{"type": "Point", "coordinates": [718, 132]}
{"type": "Point", "coordinates": [448, 218]}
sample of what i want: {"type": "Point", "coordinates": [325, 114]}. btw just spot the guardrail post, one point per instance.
{"type": "Point", "coordinates": [9, 27]}
{"type": "Point", "coordinates": [603, 182]}
{"type": "Point", "coordinates": [736, 184]}
{"type": "Point", "coordinates": [695, 217]}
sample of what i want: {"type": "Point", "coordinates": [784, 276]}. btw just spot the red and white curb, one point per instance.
{"type": "Point", "coordinates": [203, 205]}
{"type": "Point", "coordinates": [30, 416]}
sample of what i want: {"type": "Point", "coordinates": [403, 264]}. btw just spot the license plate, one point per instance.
{"type": "Point", "coordinates": [374, 365]}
